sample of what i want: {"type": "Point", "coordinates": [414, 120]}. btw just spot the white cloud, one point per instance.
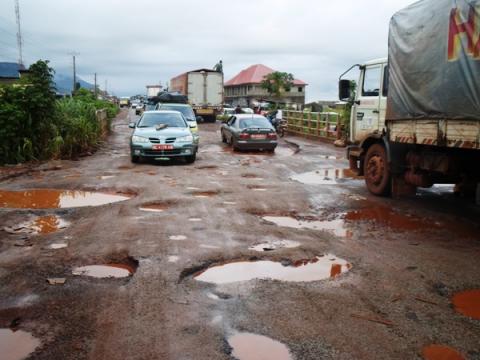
{"type": "Point", "coordinates": [135, 43]}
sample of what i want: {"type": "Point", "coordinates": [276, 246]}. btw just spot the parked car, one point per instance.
{"type": "Point", "coordinates": [225, 115]}
{"type": "Point", "coordinates": [186, 111]}
{"type": "Point", "coordinates": [247, 111]}
{"type": "Point", "coordinates": [249, 132]}
{"type": "Point", "coordinates": [150, 107]}
{"type": "Point", "coordinates": [162, 134]}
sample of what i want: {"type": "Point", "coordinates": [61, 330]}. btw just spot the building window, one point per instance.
{"type": "Point", "coordinates": [300, 89]}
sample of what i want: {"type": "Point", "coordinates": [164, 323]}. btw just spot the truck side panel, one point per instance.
{"type": "Point", "coordinates": [180, 84]}
{"type": "Point", "coordinates": [215, 89]}
{"type": "Point", "coordinates": [196, 89]}
{"type": "Point", "coordinates": [450, 133]}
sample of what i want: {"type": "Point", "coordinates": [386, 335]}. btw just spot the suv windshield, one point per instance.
{"type": "Point", "coordinates": [185, 110]}
{"type": "Point", "coordinates": [256, 122]}
{"type": "Point", "coordinates": [154, 119]}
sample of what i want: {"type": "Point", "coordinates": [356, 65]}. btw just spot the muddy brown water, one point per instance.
{"type": "Point", "coordinates": [441, 352]}
{"type": "Point", "coordinates": [55, 199]}
{"type": "Point", "coordinates": [42, 225]}
{"type": "Point", "coordinates": [16, 345]}
{"type": "Point", "coordinates": [248, 346]}
{"type": "Point", "coordinates": [204, 194]}
{"type": "Point", "coordinates": [155, 206]}
{"type": "Point", "coordinates": [104, 271]}
{"type": "Point", "coordinates": [468, 303]}
{"type": "Point", "coordinates": [324, 176]}
{"type": "Point", "coordinates": [386, 216]}
{"type": "Point", "coordinates": [319, 268]}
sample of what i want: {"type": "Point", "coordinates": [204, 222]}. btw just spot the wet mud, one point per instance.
{"type": "Point", "coordinates": [16, 345]}
{"type": "Point", "coordinates": [441, 352]}
{"type": "Point", "coordinates": [468, 303]}
{"type": "Point", "coordinates": [325, 176]}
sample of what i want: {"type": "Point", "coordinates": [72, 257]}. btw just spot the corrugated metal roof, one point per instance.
{"type": "Point", "coordinates": [10, 70]}
{"type": "Point", "coordinates": [254, 75]}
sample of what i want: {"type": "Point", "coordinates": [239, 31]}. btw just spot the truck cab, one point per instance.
{"type": "Point", "coordinates": [370, 103]}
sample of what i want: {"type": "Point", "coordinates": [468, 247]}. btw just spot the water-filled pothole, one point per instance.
{"type": "Point", "coordinates": [387, 217]}
{"type": "Point", "coordinates": [274, 245]}
{"type": "Point", "coordinates": [16, 345]}
{"type": "Point", "coordinates": [156, 206]}
{"type": "Point", "coordinates": [441, 352]}
{"type": "Point", "coordinates": [334, 226]}
{"type": "Point", "coordinates": [468, 303]}
{"type": "Point", "coordinates": [207, 167]}
{"type": "Point", "coordinates": [324, 176]}
{"type": "Point", "coordinates": [248, 346]}
{"type": "Point", "coordinates": [105, 271]}
{"type": "Point", "coordinates": [56, 199]}
{"type": "Point", "coordinates": [256, 188]}
{"type": "Point", "coordinates": [39, 225]}
{"type": "Point", "coordinates": [205, 194]}
{"type": "Point", "coordinates": [318, 268]}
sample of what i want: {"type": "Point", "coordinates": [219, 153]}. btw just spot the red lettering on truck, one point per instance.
{"type": "Point", "coordinates": [469, 27]}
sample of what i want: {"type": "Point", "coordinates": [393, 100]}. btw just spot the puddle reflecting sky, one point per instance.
{"type": "Point", "coordinates": [247, 346]}
{"type": "Point", "coordinates": [324, 176]}
{"type": "Point", "coordinates": [335, 226]}
{"type": "Point", "coordinates": [104, 271]}
{"type": "Point", "coordinates": [16, 345]}
{"type": "Point", "coordinates": [319, 268]}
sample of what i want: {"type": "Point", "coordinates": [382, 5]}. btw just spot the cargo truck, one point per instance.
{"type": "Point", "coordinates": [204, 90]}
{"type": "Point", "coordinates": [415, 118]}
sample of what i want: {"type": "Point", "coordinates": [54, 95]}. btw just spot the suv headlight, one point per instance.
{"type": "Point", "coordinates": [188, 138]}
{"type": "Point", "coordinates": [139, 139]}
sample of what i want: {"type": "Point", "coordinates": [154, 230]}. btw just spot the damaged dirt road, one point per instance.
{"type": "Point", "coordinates": [235, 256]}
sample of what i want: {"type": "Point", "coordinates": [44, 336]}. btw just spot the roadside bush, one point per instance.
{"type": "Point", "coordinates": [36, 126]}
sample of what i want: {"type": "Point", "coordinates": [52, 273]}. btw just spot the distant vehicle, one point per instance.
{"type": "Point", "coordinates": [135, 103]}
{"type": "Point", "coordinates": [162, 134]}
{"type": "Point", "coordinates": [149, 107]}
{"type": "Point", "coordinates": [124, 102]}
{"type": "Point", "coordinates": [186, 111]}
{"type": "Point", "coordinates": [204, 90]}
{"type": "Point", "coordinates": [139, 108]}
{"type": "Point", "coordinates": [153, 90]}
{"type": "Point", "coordinates": [247, 111]}
{"type": "Point", "coordinates": [249, 132]}
{"type": "Point", "coordinates": [225, 115]}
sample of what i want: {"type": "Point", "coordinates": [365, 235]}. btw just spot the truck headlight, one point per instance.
{"type": "Point", "coordinates": [188, 138]}
{"type": "Point", "coordinates": [139, 139]}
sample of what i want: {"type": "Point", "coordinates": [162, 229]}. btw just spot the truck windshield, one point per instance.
{"type": "Point", "coordinates": [185, 110]}
{"type": "Point", "coordinates": [154, 119]}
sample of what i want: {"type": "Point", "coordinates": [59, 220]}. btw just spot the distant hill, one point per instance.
{"type": "Point", "coordinates": [64, 83]}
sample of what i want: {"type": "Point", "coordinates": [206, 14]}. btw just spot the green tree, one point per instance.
{"type": "Point", "coordinates": [277, 83]}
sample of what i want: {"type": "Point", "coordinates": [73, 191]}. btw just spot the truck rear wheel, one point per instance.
{"type": "Point", "coordinates": [376, 171]}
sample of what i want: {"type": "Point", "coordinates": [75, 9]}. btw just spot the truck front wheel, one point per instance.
{"type": "Point", "coordinates": [376, 171]}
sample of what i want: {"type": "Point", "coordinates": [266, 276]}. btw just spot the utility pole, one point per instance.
{"type": "Point", "coordinates": [95, 86]}
{"type": "Point", "coordinates": [19, 33]}
{"type": "Point", "coordinates": [73, 53]}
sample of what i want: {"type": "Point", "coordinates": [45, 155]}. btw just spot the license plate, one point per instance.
{"type": "Point", "coordinates": [258, 136]}
{"type": "Point", "coordinates": [204, 111]}
{"type": "Point", "coordinates": [162, 147]}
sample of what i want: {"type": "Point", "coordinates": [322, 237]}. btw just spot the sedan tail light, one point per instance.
{"type": "Point", "coordinates": [244, 136]}
{"type": "Point", "coordinates": [272, 136]}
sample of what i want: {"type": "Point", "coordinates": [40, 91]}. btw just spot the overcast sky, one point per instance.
{"type": "Point", "coordinates": [135, 43]}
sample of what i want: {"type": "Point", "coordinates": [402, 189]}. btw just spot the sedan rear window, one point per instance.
{"type": "Point", "coordinates": [185, 110]}
{"type": "Point", "coordinates": [256, 122]}
{"type": "Point", "coordinates": [154, 119]}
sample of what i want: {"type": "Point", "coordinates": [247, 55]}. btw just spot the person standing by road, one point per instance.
{"type": "Point", "coordinates": [238, 110]}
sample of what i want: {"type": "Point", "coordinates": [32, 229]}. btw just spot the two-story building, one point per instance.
{"type": "Point", "coordinates": [245, 89]}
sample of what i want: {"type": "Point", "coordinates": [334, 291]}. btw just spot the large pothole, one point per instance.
{"type": "Point", "coordinates": [38, 225]}
{"type": "Point", "coordinates": [16, 345]}
{"type": "Point", "coordinates": [324, 176]}
{"type": "Point", "coordinates": [248, 346]}
{"type": "Point", "coordinates": [56, 199]}
{"type": "Point", "coordinates": [121, 269]}
{"type": "Point", "coordinates": [305, 270]}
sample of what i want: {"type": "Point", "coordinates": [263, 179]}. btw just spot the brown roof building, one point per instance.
{"type": "Point", "coordinates": [245, 89]}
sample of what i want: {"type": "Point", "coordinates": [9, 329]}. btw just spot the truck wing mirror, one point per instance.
{"type": "Point", "coordinates": [344, 90]}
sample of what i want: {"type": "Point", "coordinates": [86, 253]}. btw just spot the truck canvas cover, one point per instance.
{"type": "Point", "coordinates": [434, 61]}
